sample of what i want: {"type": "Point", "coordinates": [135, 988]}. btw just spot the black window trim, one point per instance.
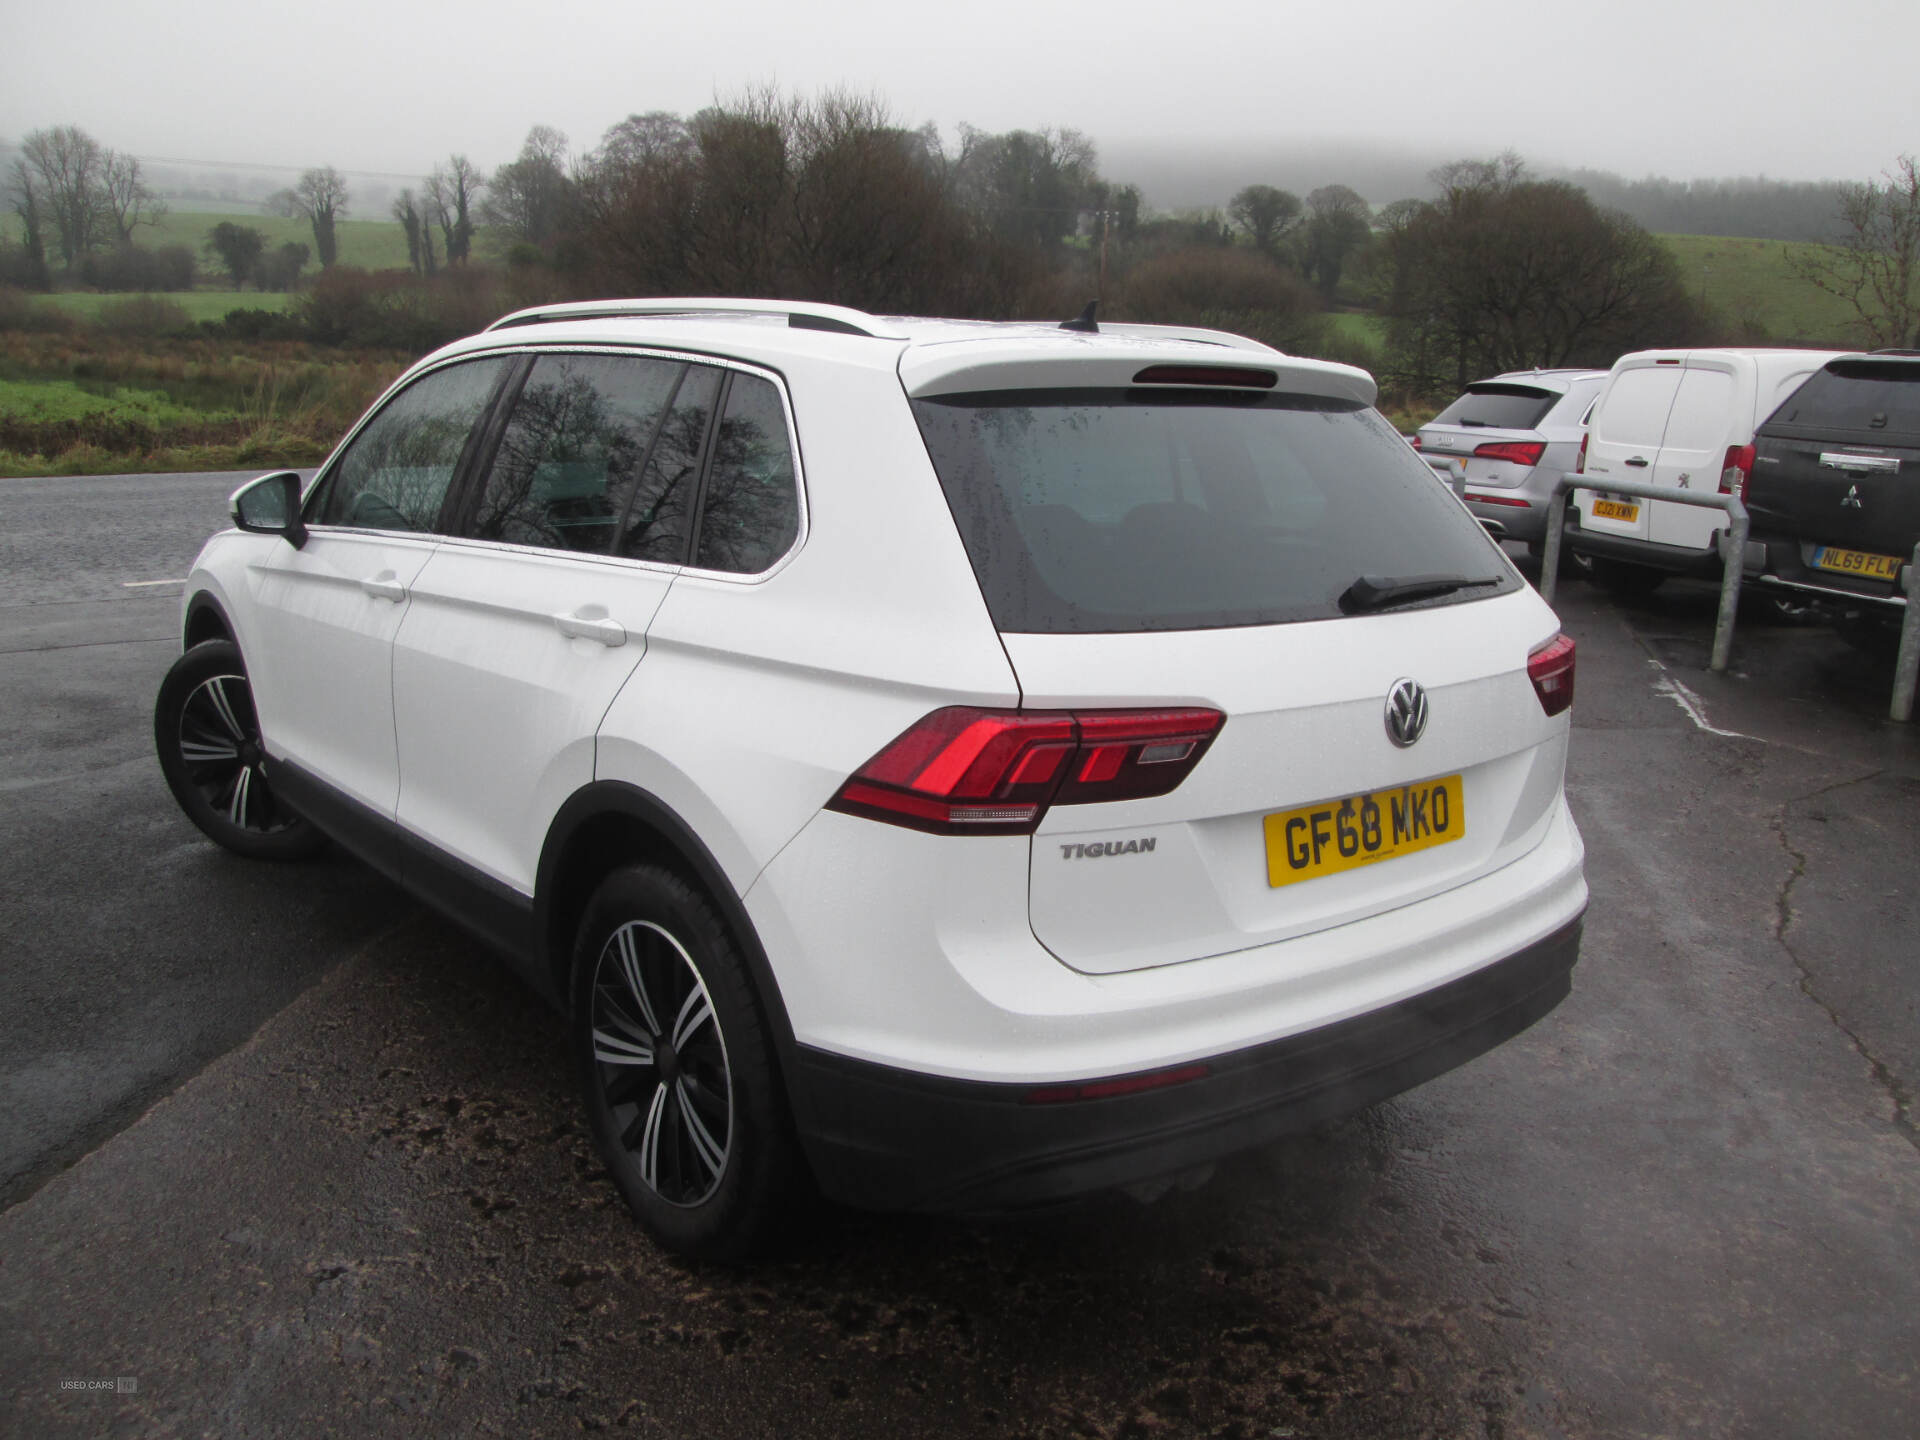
{"type": "Point", "coordinates": [728, 366]}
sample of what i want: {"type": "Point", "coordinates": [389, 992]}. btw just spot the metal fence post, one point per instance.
{"type": "Point", "coordinates": [1733, 564]}
{"type": "Point", "coordinates": [1906, 669]}
{"type": "Point", "coordinates": [1550, 551]}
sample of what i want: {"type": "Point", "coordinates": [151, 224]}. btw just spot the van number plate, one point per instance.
{"type": "Point", "coordinates": [1856, 562]}
{"type": "Point", "coordinates": [1343, 834]}
{"type": "Point", "coordinates": [1616, 510]}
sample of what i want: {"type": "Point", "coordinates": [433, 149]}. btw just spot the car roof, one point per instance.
{"type": "Point", "coordinates": [932, 355]}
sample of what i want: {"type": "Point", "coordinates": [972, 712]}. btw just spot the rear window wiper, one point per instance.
{"type": "Point", "coordinates": [1382, 592]}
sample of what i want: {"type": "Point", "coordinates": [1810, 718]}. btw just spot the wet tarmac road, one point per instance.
{"type": "Point", "coordinates": [1687, 1202]}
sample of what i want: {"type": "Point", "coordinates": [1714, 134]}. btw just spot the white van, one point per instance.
{"type": "Point", "coordinates": [1679, 418]}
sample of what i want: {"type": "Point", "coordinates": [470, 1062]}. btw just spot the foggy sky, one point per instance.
{"type": "Point", "coordinates": [1683, 88]}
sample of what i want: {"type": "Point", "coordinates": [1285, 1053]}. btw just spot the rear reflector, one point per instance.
{"type": "Point", "coordinates": [1514, 452]}
{"type": "Point", "coordinates": [963, 771]}
{"type": "Point", "coordinates": [1501, 500]}
{"type": "Point", "coordinates": [1736, 471]}
{"type": "Point", "coordinates": [1118, 1085]}
{"type": "Point", "coordinates": [1207, 375]}
{"type": "Point", "coordinates": [1550, 668]}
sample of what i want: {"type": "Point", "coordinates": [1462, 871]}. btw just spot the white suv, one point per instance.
{"type": "Point", "coordinates": [966, 765]}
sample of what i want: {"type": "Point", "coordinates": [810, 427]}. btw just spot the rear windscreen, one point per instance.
{"type": "Point", "coordinates": [1499, 406]}
{"type": "Point", "coordinates": [1133, 509]}
{"type": "Point", "coordinates": [1874, 397]}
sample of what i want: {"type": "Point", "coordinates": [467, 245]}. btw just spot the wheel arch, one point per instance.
{"type": "Point", "coordinates": [609, 824]}
{"type": "Point", "coordinates": [205, 619]}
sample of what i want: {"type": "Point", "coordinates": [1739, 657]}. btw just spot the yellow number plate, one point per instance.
{"type": "Point", "coordinates": [1616, 510]}
{"type": "Point", "coordinates": [1857, 562]}
{"type": "Point", "coordinates": [1338, 835]}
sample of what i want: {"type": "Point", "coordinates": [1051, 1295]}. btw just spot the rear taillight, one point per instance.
{"type": "Point", "coordinates": [1550, 668]}
{"type": "Point", "coordinates": [962, 771]}
{"type": "Point", "coordinates": [1514, 452]}
{"type": "Point", "coordinates": [1737, 471]}
{"type": "Point", "coordinates": [1580, 460]}
{"type": "Point", "coordinates": [1414, 440]}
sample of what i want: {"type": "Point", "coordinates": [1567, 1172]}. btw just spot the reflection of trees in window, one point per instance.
{"type": "Point", "coordinates": [751, 514]}
{"type": "Point", "coordinates": [656, 519]}
{"type": "Point", "coordinates": [573, 449]}
{"type": "Point", "coordinates": [395, 474]}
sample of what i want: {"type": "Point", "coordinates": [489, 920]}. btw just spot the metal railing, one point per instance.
{"type": "Point", "coordinates": [1732, 543]}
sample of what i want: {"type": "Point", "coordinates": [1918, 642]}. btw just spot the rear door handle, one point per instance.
{"type": "Point", "coordinates": [1638, 462]}
{"type": "Point", "coordinates": [385, 586]}
{"type": "Point", "coordinates": [584, 625]}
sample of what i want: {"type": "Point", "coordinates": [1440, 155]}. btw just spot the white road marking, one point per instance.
{"type": "Point", "coordinates": [1694, 707]}
{"type": "Point", "coordinates": [142, 584]}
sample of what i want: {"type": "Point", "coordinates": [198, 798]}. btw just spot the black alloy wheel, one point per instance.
{"type": "Point", "coordinates": [208, 738]}
{"type": "Point", "coordinates": [681, 1085]}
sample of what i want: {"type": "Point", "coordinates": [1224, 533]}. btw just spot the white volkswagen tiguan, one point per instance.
{"type": "Point", "coordinates": [961, 765]}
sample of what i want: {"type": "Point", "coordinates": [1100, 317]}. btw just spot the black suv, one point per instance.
{"type": "Point", "coordinates": [1835, 489]}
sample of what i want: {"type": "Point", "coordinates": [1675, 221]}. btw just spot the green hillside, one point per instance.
{"type": "Point", "coordinates": [1748, 283]}
{"type": "Point", "coordinates": [370, 244]}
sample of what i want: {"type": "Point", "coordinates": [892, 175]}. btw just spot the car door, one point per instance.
{"type": "Point", "coordinates": [1708, 410]}
{"type": "Point", "coordinates": [526, 623]}
{"type": "Point", "coordinates": [1623, 441]}
{"type": "Point", "coordinates": [320, 628]}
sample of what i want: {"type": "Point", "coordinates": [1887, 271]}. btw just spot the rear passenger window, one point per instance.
{"type": "Point", "coordinates": [395, 473]}
{"type": "Point", "coordinates": [1498, 405]}
{"type": "Point", "coordinates": [1634, 411]}
{"type": "Point", "coordinates": [571, 455]}
{"type": "Point", "coordinates": [751, 515]}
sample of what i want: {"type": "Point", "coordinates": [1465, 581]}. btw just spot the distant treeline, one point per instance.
{"type": "Point", "coordinates": [1753, 207]}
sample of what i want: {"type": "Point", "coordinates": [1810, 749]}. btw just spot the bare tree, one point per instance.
{"type": "Point", "coordinates": [320, 199]}
{"type": "Point", "coordinates": [66, 163]}
{"type": "Point", "coordinates": [23, 194]}
{"type": "Point", "coordinates": [1876, 267]}
{"type": "Point", "coordinates": [453, 191]}
{"type": "Point", "coordinates": [1264, 213]}
{"type": "Point", "coordinates": [1338, 223]}
{"type": "Point", "coordinates": [527, 197]}
{"type": "Point", "coordinates": [125, 199]}
{"type": "Point", "coordinates": [407, 211]}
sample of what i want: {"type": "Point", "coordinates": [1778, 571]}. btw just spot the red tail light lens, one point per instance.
{"type": "Point", "coordinates": [962, 771]}
{"type": "Point", "coordinates": [1551, 669]}
{"type": "Point", "coordinates": [1737, 471]}
{"type": "Point", "coordinates": [1515, 452]}
{"type": "Point", "coordinates": [1414, 441]}
{"type": "Point", "coordinates": [1580, 461]}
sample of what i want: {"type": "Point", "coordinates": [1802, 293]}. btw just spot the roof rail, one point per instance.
{"type": "Point", "coordinates": [800, 314]}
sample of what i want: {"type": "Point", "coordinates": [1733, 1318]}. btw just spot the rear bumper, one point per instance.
{"type": "Point", "coordinates": [885, 1138]}
{"type": "Point", "coordinates": [1673, 559]}
{"type": "Point", "coordinates": [1527, 521]}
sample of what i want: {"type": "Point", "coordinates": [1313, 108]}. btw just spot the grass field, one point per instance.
{"type": "Point", "coordinates": [370, 244]}
{"type": "Point", "coordinates": [1357, 329]}
{"type": "Point", "coordinates": [199, 304]}
{"type": "Point", "coordinates": [1747, 281]}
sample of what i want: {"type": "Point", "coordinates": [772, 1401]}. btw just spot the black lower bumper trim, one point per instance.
{"type": "Point", "coordinates": [891, 1139]}
{"type": "Point", "coordinates": [1673, 559]}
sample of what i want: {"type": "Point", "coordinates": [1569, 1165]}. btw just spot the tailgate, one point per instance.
{"type": "Point", "coordinates": [1228, 860]}
{"type": "Point", "coordinates": [1828, 492]}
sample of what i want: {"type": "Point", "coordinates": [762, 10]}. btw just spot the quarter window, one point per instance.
{"type": "Point", "coordinates": [394, 476]}
{"type": "Point", "coordinates": [751, 514]}
{"type": "Point", "coordinates": [656, 515]}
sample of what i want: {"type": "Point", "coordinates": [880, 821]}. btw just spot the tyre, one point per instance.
{"type": "Point", "coordinates": [1628, 581]}
{"type": "Point", "coordinates": [208, 739]}
{"type": "Point", "coordinates": [681, 1084]}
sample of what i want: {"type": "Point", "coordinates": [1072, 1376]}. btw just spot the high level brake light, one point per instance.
{"type": "Point", "coordinates": [1514, 452]}
{"type": "Point", "coordinates": [1550, 668]}
{"type": "Point", "coordinates": [1736, 471]}
{"type": "Point", "coordinates": [965, 771]}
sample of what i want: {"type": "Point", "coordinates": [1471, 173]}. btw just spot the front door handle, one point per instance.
{"type": "Point", "coordinates": [1638, 462]}
{"type": "Point", "coordinates": [384, 586]}
{"type": "Point", "coordinates": [591, 622]}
